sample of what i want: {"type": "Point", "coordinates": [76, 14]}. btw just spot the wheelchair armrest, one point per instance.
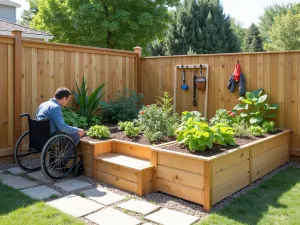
{"type": "Point", "coordinates": [25, 114]}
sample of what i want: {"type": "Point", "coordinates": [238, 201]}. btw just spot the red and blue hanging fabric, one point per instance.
{"type": "Point", "coordinates": [237, 72]}
{"type": "Point", "coordinates": [237, 78]}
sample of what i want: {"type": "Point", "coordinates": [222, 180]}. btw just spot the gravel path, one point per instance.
{"type": "Point", "coordinates": [164, 200]}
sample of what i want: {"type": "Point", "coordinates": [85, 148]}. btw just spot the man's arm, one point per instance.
{"type": "Point", "coordinates": [58, 119]}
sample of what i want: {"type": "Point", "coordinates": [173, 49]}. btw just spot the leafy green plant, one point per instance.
{"type": "Point", "coordinates": [269, 126]}
{"type": "Point", "coordinates": [257, 131]}
{"type": "Point", "coordinates": [197, 116]}
{"type": "Point", "coordinates": [88, 105]}
{"type": "Point", "coordinates": [254, 107]}
{"type": "Point", "coordinates": [73, 119]}
{"type": "Point", "coordinates": [241, 130]}
{"type": "Point", "coordinates": [195, 135]}
{"type": "Point", "coordinates": [129, 129]}
{"type": "Point", "coordinates": [99, 132]}
{"type": "Point", "coordinates": [223, 134]}
{"type": "Point", "coordinates": [125, 108]}
{"type": "Point", "coordinates": [224, 116]}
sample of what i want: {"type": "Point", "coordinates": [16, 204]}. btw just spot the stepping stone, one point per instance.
{"type": "Point", "coordinates": [17, 182]}
{"type": "Point", "coordinates": [75, 205]}
{"type": "Point", "coordinates": [110, 216]}
{"type": "Point", "coordinates": [71, 185]}
{"type": "Point", "coordinates": [16, 171]}
{"type": "Point", "coordinates": [1, 171]}
{"type": "Point", "coordinates": [170, 217]}
{"type": "Point", "coordinates": [102, 196]}
{"type": "Point", "coordinates": [141, 207]}
{"type": "Point", "coordinates": [39, 175]}
{"type": "Point", "coordinates": [40, 192]}
{"type": "Point", "coordinates": [6, 177]}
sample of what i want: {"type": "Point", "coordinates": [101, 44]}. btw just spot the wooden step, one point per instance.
{"type": "Point", "coordinates": [125, 172]}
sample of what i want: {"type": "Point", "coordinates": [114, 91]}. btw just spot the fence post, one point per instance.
{"type": "Point", "coordinates": [139, 51]}
{"type": "Point", "coordinates": [17, 83]}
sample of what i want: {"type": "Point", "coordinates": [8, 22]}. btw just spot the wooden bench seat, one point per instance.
{"type": "Point", "coordinates": [125, 172]}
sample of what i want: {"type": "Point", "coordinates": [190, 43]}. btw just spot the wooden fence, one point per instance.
{"type": "Point", "coordinates": [31, 71]}
{"type": "Point", "coordinates": [277, 73]}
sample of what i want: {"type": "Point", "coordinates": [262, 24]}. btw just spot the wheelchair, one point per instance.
{"type": "Point", "coordinates": [55, 154]}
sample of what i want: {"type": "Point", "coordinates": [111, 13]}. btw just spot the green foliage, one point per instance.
{"type": "Point", "coordinates": [200, 27]}
{"type": "Point", "coordinates": [126, 106]}
{"type": "Point", "coordinates": [73, 119]}
{"type": "Point", "coordinates": [195, 135]}
{"type": "Point", "coordinates": [223, 134]}
{"type": "Point", "coordinates": [27, 15]}
{"type": "Point", "coordinates": [223, 116]}
{"type": "Point", "coordinates": [165, 102]}
{"type": "Point", "coordinates": [106, 23]}
{"type": "Point", "coordinates": [254, 107]}
{"type": "Point", "coordinates": [157, 48]}
{"type": "Point", "coordinates": [88, 105]}
{"type": "Point", "coordinates": [285, 33]}
{"type": "Point", "coordinates": [266, 21]}
{"type": "Point", "coordinates": [241, 130]}
{"type": "Point", "coordinates": [252, 40]}
{"type": "Point", "coordinates": [197, 116]}
{"type": "Point", "coordinates": [129, 129]}
{"type": "Point", "coordinates": [257, 131]}
{"type": "Point", "coordinates": [239, 31]}
{"type": "Point", "coordinates": [99, 132]}
{"type": "Point", "coordinates": [269, 126]}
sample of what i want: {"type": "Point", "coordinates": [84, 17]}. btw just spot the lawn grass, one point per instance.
{"type": "Point", "coordinates": [276, 201]}
{"type": "Point", "coordinates": [17, 209]}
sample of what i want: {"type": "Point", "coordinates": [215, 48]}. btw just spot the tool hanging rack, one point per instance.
{"type": "Point", "coordinates": [191, 66]}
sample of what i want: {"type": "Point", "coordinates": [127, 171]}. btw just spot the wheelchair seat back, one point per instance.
{"type": "Point", "coordinates": [39, 133]}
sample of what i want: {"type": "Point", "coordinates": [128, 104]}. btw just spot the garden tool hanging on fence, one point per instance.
{"type": "Point", "coordinates": [237, 77]}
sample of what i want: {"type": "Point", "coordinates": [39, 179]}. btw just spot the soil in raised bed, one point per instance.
{"type": "Point", "coordinates": [216, 149]}
{"type": "Point", "coordinates": [140, 139]}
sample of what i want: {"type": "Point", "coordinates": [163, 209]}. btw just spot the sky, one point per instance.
{"type": "Point", "coordinates": [245, 11]}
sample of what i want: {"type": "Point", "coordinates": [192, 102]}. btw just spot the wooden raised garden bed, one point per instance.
{"type": "Point", "coordinates": [208, 180]}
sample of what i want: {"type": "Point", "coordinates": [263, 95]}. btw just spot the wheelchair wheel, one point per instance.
{"type": "Point", "coordinates": [79, 169]}
{"type": "Point", "coordinates": [26, 158]}
{"type": "Point", "coordinates": [58, 157]}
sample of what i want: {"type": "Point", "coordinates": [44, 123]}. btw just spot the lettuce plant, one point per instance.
{"type": "Point", "coordinates": [129, 129]}
{"type": "Point", "coordinates": [257, 131]}
{"type": "Point", "coordinates": [99, 132]}
{"type": "Point", "coordinates": [223, 134]}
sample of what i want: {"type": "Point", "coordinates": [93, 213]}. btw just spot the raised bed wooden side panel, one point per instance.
{"type": "Point", "coordinates": [132, 149]}
{"type": "Point", "coordinates": [269, 155]}
{"type": "Point", "coordinates": [230, 173]}
{"type": "Point", "coordinates": [180, 176]}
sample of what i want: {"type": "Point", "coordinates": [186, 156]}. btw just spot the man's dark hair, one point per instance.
{"type": "Point", "coordinates": [62, 92]}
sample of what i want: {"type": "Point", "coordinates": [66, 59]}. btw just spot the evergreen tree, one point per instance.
{"type": "Point", "coordinates": [239, 31]}
{"type": "Point", "coordinates": [27, 15]}
{"type": "Point", "coordinates": [157, 48]}
{"type": "Point", "coordinates": [200, 26]}
{"type": "Point", "coordinates": [252, 41]}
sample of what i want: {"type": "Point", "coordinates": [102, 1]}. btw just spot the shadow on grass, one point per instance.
{"type": "Point", "coordinates": [11, 199]}
{"type": "Point", "coordinates": [271, 199]}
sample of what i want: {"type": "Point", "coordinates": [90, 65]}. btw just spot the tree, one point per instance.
{"type": "Point", "coordinates": [103, 23]}
{"type": "Point", "coordinates": [200, 26]}
{"type": "Point", "coordinates": [27, 15]}
{"type": "Point", "coordinates": [285, 33]}
{"type": "Point", "coordinates": [252, 41]}
{"type": "Point", "coordinates": [267, 19]}
{"type": "Point", "coordinates": [157, 48]}
{"type": "Point", "coordinates": [238, 30]}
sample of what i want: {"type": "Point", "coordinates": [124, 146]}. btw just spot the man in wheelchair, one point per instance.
{"type": "Point", "coordinates": [52, 110]}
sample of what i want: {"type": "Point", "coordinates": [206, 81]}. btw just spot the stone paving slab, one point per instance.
{"type": "Point", "coordinates": [103, 196]}
{"type": "Point", "coordinates": [1, 171]}
{"type": "Point", "coordinates": [39, 175]}
{"type": "Point", "coordinates": [40, 192]}
{"type": "Point", "coordinates": [75, 205]}
{"type": "Point", "coordinates": [16, 182]}
{"type": "Point", "coordinates": [138, 206]}
{"type": "Point", "coordinates": [71, 185]}
{"type": "Point", "coordinates": [110, 216]}
{"type": "Point", "coordinates": [16, 171]}
{"type": "Point", "coordinates": [171, 217]}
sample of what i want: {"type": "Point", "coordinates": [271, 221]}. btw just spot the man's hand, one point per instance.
{"type": "Point", "coordinates": [80, 132]}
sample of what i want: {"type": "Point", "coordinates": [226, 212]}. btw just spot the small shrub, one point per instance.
{"type": "Point", "coordinates": [73, 119]}
{"type": "Point", "coordinates": [125, 108]}
{"type": "Point", "coordinates": [223, 134]}
{"type": "Point", "coordinates": [99, 132]}
{"type": "Point", "coordinates": [257, 131]}
{"type": "Point", "coordinates": [129, 129]}
{"type": "Point", "coordinates": [241, 130]}
{"type": "Point", "coordinates": [224, 116]}
{"type": "Point", "coordinates": [269, 126]}
{"type": "Point", "coordinates": [195, 135]}
{"type": "Point", "coordinates": [197, 116]}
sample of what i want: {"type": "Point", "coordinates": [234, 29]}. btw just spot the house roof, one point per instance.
{"type": "Point", "coordinates": [9, 3]}
{"type": "Point", "coordinates": [6, 27]}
